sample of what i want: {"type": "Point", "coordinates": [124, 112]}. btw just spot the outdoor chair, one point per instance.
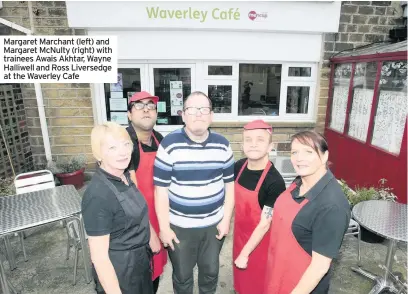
{"type": "Point", "coordinates": [30, 182]}
{"type": "Point", "coordinates": [353, 230]}
{"type": "Point", "coordinates": [73, 241]}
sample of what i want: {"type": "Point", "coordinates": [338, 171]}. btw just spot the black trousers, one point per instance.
{"type": "Point", "coordinates": [155, 286]}
{"type": "Point", "coordinates": [198, 246]}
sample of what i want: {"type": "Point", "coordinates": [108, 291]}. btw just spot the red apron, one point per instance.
{"type": "Point", "coordinates": [287, 260]}
{"type": "Point", "coordinates": [247, 216]}
{"type": "Point", "coordinates": [144, 177]}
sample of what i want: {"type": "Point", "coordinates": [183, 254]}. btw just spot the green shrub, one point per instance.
{"type": "Point", "coordinates": [363, 194]}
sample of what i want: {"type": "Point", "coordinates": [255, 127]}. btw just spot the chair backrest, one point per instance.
{"type": "Point", "coordinates": [34, 181]}
{"type": "Point", "coordinates": [73, 230]}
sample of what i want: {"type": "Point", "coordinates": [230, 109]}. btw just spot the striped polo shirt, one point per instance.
{"type": "Point", "coordinates": [195, 174]}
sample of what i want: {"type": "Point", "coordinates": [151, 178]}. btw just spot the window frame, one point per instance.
{"type": "Point", "coordinates": [379, 59]}
{"type": "Point", "coordinates": [201, 80]}
{"type": "Point", "coordinates": [285, 72]}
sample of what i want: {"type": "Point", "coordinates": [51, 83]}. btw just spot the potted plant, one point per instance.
{"type": "Point", "coordinates": [364, 194]}
{"type": "Point", "coordinates": [69, 171]}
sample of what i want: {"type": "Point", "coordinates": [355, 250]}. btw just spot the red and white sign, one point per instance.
{"type": "Point", "coordinates": [253, 15]}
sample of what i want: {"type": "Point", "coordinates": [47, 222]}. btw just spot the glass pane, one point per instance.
{"type": "Point", "coordinates": [219, 70]}
{"type": "Point", "coordinates": [297, 99]}
{"type": "Point", "coordinates": [220, 97]}
{"type": "Point", "coordinates": [300, 71]}
{"type": "Point", "coordinates": [391, 110]}
{"type": "Point", "coordinates": [259, 89]}
{"type": "Point", "coordinates": [342, 74]}
{"type": "Point", "coordinates": [362, 99]}
{"type": "Point", "coordinates": [117, 95]}
{"type": "Point", "coordinates": [171, 85]}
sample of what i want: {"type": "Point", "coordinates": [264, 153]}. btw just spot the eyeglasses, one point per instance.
{"type": "Point", "coordinates": [140, 106]}
{"type": "Point", "coordinates": [194, 110]}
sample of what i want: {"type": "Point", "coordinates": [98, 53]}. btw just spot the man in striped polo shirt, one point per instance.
{"type": "Point", "coordinates": [194, 179]}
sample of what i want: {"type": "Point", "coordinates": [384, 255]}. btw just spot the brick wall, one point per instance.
{"type": "Point", "coordinates": [68, 107]}
{"type": "Point", "coordinates": [361, 23]}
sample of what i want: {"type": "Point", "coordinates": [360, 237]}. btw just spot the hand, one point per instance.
{"type": "Point", "coordinates": [167, 236]}
{"type": "Point", "coordinates": [155, 243]}
{"type": "Point", "coordinates": [223, 229]}
{"type": "Point", "coordinates": [241, 261]}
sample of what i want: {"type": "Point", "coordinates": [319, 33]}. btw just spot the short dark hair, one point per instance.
{"type": "Point", "coordinates": [198, 93]}
{"type": "Point", "coordinates": [312, 139]}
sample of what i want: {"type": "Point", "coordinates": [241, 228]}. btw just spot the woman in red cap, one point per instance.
{"type": "Point", "coordinates": [309, 222]}
{"type": "Point", "coordinates": [257, 185]}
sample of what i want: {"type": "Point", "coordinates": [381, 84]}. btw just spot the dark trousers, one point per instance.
{"type": "Point", "coordinates": [155, 286]}
{"type": "Point", "coordinates": [197, 246]}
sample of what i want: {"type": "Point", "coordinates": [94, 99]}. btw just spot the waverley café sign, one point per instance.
{"type": "Point", "coordinates": [230, 14]}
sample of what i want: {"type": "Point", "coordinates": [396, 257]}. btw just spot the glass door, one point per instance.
{"type": "Point", "coordinates": [171, 83]}
{"type": "Point", "coordinates": [131, 78]}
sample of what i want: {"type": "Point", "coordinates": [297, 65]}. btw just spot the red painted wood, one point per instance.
{"type": "Point", "coordinates": [375, 102]}
{"type": "Point", "coordinates": [330, 96]}
{"type": "Point", "coordinates": [359, 163]}
{"type": "Point", "coordinates": [349, 98]}
{"type": "Point", "coordinates": [371, 57]}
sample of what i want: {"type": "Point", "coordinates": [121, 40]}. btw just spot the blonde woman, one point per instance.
{"type": "Point", "coordinates": [116, 217]}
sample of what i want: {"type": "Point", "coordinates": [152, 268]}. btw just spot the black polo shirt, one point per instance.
{"type": "Point", "coordinates": [321, 224]}
{"type": "Point", "coordinates": [270, 189]}
{"type": "Point", "coordinates": [134, 163]}
{"type": "Point", "coordinates": [101, 210]}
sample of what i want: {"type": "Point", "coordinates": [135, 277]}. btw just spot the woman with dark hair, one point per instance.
{"type": "Point", "coordinates": [309, 222]}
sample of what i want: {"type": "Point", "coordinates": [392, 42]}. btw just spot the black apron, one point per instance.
{"type": "Point", "coordinates": [133, 267]}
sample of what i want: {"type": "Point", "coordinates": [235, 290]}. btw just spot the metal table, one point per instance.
{"type": "Point", "coordinates": [28, 210]}
{"type": "Point", "coordinates": [389, 220]}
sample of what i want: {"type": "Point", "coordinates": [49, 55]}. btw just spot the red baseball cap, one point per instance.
{"type": "Point", "coordinates": [143, 95]}
{"type": "Point", "coordinates": [258, 124]}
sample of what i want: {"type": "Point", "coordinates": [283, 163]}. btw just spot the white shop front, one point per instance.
{"type": "Point", "coordinates": [253, 59]}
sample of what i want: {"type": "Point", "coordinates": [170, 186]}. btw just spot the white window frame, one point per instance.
{"type": "Point", "coordinates": [235, 70]}
{"type": "Point", "coordinates": [234, 102]}
{"type": "Point", "coordinates": [287, 65]}
{"type": "Point", "coordinates": [200, 81]}
{"type": "Point", "coordinates": [310, 107]}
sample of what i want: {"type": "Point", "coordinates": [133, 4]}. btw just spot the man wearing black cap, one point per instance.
{"type": "Point", "coordinates": [257, 185]}
{"type": "Point", "coordinates": [142, 113]}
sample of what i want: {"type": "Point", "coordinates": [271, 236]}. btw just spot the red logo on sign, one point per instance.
{"type": "Point", "coordinates": [252, 15]}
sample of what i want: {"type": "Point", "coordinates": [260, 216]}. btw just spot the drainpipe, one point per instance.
{"type": "Point", "coordinates": [40, 100]}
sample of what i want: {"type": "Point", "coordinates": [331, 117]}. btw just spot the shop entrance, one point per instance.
{"type": "Point", "coordinates": [170, 82]}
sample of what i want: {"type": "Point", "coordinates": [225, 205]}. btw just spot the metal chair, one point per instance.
{"type": "Point", "coordinates": [30, 182]}
{"type": "Point", "coordinates": [353, 230]}
{"type": "Point", "coordinates": [73, 241]}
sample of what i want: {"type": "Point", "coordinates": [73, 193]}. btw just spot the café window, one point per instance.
{"type": "Point", "coordinates": [118, 94]}
{"type": "Point", "coordinates": [259, 89]}
{"type": "Point", "coordinates": [221, 98]}
{"type": "Point", "coordinates": [297, 100]}
{"type": "Point", "coordinates": [299, 71]}
{"type": "Point", "coordinates": [391, 108]}
{"type": "Point", "coordinates": [220, 70]}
